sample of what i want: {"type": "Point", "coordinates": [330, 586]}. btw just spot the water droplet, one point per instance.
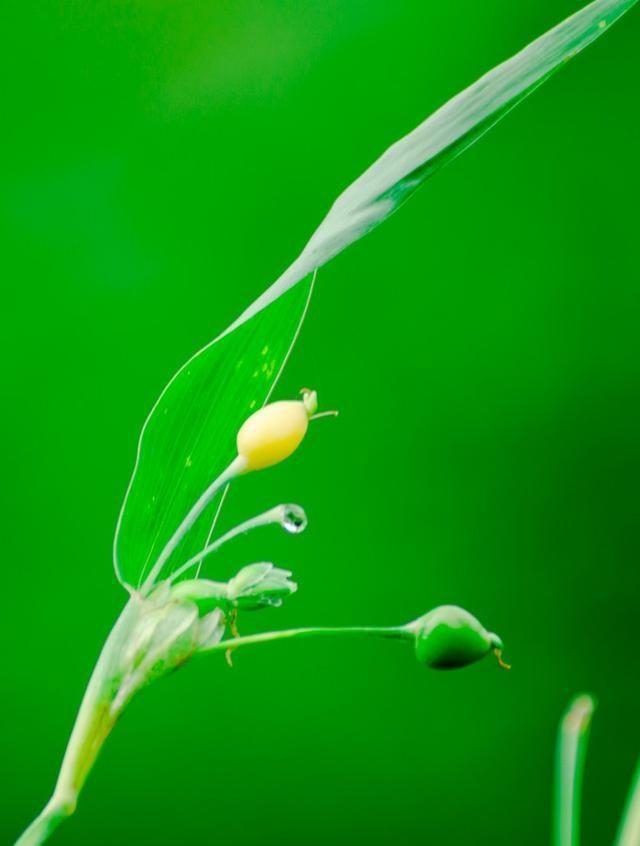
{"type": "Point", "coordinates": [294, 520]}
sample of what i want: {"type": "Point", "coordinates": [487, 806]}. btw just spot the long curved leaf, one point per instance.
{"type": "Point", "coordinates": [449, 131]}
{"type": "Point", "coordinates": [189, 435]}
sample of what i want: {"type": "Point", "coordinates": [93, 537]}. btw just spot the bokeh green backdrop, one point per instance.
{"type": "Point", "coordinates": [163, 162]}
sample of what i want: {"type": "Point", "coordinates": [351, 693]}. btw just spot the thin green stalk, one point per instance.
{"type": "Point", "coordinates": [273, 515]}
{"type": "Point", "coordinates": [234, 469]}
{"type": "Point", "coordinates": [629, 831]}
{"type": "Point", "coordinates": [396, 632]}
{"type": "Point", "coordinates": [573, 737]}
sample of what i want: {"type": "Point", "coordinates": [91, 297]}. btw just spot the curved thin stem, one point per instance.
{"type": "Point", "coordinates": [273, 515]}
{"type": "Point", "coordinates": [234, 469]}
{"type": "Point", "coordinates": [573, 737]}
{"type": "Point", "coordinates": [214, 522]}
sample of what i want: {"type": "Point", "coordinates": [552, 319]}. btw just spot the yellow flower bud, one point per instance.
{"type": "Point", "coordinates": [272, 433]}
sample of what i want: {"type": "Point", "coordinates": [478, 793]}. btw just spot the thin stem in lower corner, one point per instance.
{"type": "Point", "coordinates": [571, 751]}
{"type": "Point", "coordinates": [629, 831]}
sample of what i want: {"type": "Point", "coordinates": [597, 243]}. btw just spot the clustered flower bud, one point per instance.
{"type": "Point", "coordinates": [255, 586]}
{"type": "Point", "coordinates": [260, 586]}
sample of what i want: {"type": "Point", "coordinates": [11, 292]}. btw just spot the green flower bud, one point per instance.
{"type": "Point", "coordinates": [255, 586]}
{"type": "Point", "coordinates": [260, 586]}
{"type": "Point", "coordinates": [449, 637]}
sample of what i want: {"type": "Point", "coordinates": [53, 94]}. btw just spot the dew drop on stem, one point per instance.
{"type": "Point", "coordinates": [294, 520]}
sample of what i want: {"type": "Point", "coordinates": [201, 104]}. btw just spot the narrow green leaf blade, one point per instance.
{"type": "Point", "coordinates": [449, 131]}
{"type": "Point", "coordinates": [188, 437]}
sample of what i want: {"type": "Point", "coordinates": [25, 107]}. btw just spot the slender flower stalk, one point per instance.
{"type": "Point", "coordinates": [394, 632]}
{"type": "Point", "coordinates": [236, 467]}
{"type": "Point", "coordinates": [280, 514]}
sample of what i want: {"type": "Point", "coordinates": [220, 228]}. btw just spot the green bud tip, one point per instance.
{"type": "Point", "coordinates": [449, 637]}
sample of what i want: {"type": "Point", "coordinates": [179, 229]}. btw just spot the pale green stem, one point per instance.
{"type": "Point", "coordinates": [571, 751]}
{"type": "Point", "coordinates": [629, 831]}
{"type": "Point", "coordinates": [234, 469]}
{"type": "Point", "coordinates": [95, 720]}
{"type": "Point", "coordinates": [322, 414]}
{"type": "Point", "coordinates": [396, 632]}
{"type": "Point", "coordinates": [273, 515]}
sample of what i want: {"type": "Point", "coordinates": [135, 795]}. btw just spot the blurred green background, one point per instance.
{"type": "Point", "coordinates": [163, 162]}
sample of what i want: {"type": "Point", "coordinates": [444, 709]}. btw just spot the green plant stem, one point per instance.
{"type": "Point", "coordinates": [571, 750]}
{"type": "Point", "coordinates": [234, 469]}
{"type": "Point", "coordinates": [629, 831]}
{"type": "Point", "coordinates": [396, 632]}
{"type": "Point", "coordinates": [96, 717]}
